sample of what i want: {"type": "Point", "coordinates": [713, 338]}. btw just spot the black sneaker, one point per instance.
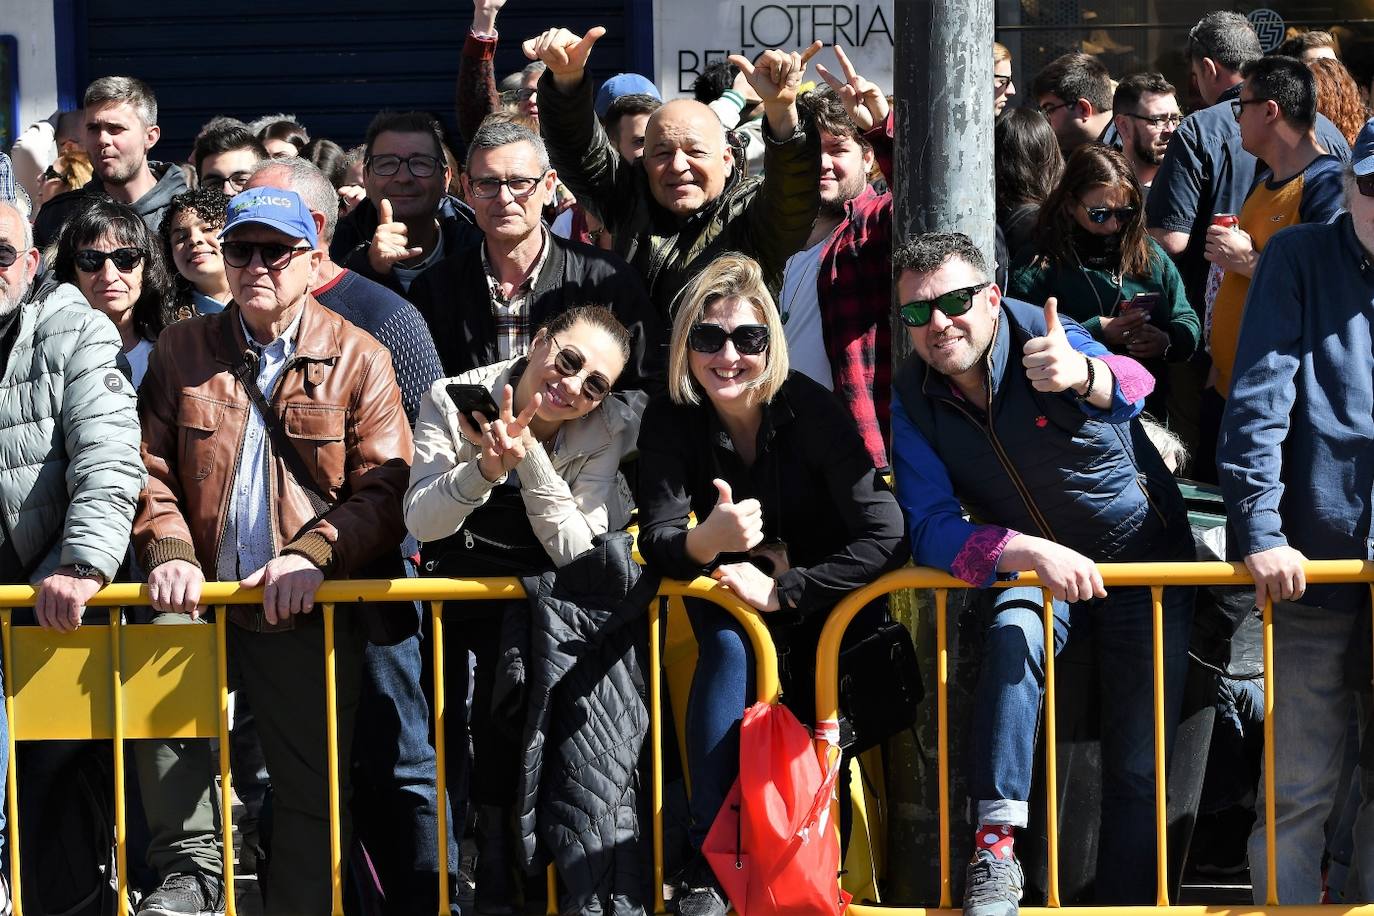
{"type": "Point", "coordinates": [694, 891]}
{"type": "Point", "coordinates": [185, 894]}
{"type": "Point", "coordinates": [992, 886]}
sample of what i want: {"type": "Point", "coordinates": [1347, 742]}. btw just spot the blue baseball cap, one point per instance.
{"type": "Point", "coordinates": [622, 84]}
{"type": "Point", "coordinates": [275, 208]}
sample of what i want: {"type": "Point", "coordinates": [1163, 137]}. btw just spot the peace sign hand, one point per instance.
{"type": "Point", "coordinates": [865, 102]}
{"type": "Point", "coordinates": [512, 432]}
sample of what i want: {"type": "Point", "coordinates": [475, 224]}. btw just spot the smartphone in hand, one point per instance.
{"type": "Point", "coordinates": [471, 399]}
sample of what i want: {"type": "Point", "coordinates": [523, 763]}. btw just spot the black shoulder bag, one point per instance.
{"type": "Point", "coordinates": [385, 623]}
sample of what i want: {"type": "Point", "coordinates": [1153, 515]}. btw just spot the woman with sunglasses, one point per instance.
{"type": "Point", "coordinates": [107, 252]}
{"type": "Point", "coordinates": [71, 171]}
{"type": "Point", "coordinates": [1091, 252]}
{"type": "Point", "coordinates": [517, 486]}
{"type": "Point", "coordinates": [791, 516]}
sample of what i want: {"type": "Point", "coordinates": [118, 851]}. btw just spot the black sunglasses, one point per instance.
{"type": "Point", "coordinates": [274, 255]}
{"type": "Point", "coordinates": [1099, 215]}
{"type": "Point", "coordinates": [569, 363]}
{"type": "Point", "coordinates": [8, 255]}
{"type": "Point", "coordinates": [1238, 105]}
{"type": "Point", "coordinates": [954, 303]}
{"type": "Point", "coordinates": [88, 260]}
{"type": "Point", "coordinates": [52, 174]}
{"type": "Point", "coordinates": [749, 339]}
{"type": "Point", "coordinates": [1363, 183]}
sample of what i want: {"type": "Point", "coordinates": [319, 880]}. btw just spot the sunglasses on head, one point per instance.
{"type": "Point", "coordinates": [953, 303]}
{"type": "Point", "coordinates": [1099, 215]}
{"type": "Point", "coordinates": [89, 260]}
{"type": "Point", "coordinates": [749, 339]}
{"type": "Point", "coordinates": [569, 363]}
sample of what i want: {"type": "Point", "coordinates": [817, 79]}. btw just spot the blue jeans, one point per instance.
{"type": "Point", "coordinates": [1006, 716]}
{"type": "Point", "coordinates": [395, 805]}
{"type": "Point", "coordinates": [720, 692]}
{"type": "Point", "coordinates": [1313, 706]}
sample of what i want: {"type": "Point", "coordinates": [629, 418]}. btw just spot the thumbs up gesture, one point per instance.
{"type": "Point", "coordinates": [389, 242]}
{"type": "Point", "coordinates": [1052, 364]}
{"type": "Point", "coordinates": [732, 527]}
{"type": "Point", "coordinates": [565, 53]}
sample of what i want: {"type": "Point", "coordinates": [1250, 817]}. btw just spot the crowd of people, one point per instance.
{"type": "Point", "coordinates": [281, 362]}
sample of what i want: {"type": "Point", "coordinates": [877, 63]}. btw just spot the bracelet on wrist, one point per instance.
{"type": "Point", "coordinates": [1088, 389]}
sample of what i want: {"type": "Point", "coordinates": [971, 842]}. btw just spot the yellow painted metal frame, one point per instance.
{"type": "Point", "coordinates": [1152, 575]}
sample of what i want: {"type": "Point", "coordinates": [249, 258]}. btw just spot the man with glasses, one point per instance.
{"type": "Point", "coordinates": [1146, 114]}
{"type": "Point", "coordinates": [1017, 416]}
{"type": "Point", "coordinates": [225, 153]}
{"type": "Point", "coordinates": [1206, 171]}
{"type": "Point", "coordinates": [408, 221]}
{"type": "Point", "coordinates": [1074, 91]}
{"type": "Point", "coordinates": [278, 495]}
{"type": "Point", "coordinates": [1295, 458]}
{"type": "Point", "coordinates": [484, 303]}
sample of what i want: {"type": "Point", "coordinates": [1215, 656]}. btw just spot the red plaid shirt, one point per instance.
{"type": "Point", "coordinates": [854, 288]}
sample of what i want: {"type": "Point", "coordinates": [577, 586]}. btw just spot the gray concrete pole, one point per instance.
{"type": "Point", "coordinates": [942, 75]}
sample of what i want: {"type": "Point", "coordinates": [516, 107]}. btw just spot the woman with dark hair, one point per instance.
{"type": "Point", "coordinates": [284, 138]}
{"type": "Point", "coordinates": [329, 158]}
{"type": "Point", "coordinates": [107, 252]}
{"type": "Point", "coordinates": [1091, 252]}
{"type": "Point", "coordinates": [1338, 97]}
{"type": "Point", "coordinates": [791, 517]}
{"type": "Point", "coordinates": [190, 230]}
{"type": "Point", "coordinates": [1027, 164]}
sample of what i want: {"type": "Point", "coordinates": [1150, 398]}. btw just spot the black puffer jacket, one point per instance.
{"type": "Point", "coordinates": [576, 663]}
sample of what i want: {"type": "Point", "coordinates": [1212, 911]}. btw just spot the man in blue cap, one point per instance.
{"type": "Point", "coordinates": [278, 452]}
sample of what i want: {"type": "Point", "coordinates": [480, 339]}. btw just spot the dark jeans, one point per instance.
{"type": "Point", "coordinates": [1006, 715]}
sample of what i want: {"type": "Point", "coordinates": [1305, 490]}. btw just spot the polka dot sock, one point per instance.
{"type": "Point", "coordinates": [996, 838]}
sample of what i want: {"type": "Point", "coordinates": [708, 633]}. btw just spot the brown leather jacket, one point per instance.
{"type": "Point", "coordinates": [339, 404]}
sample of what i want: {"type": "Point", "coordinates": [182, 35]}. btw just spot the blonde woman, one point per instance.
{"type": "Point", "coordinates": [791, 516]}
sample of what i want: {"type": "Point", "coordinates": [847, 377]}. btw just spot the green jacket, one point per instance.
{"type": "Point", "coordinates": [1087, 295]}
{"type": "Point", "coordinates": [70, 470]}
{"type": "Point", "coordinates": [767, 218]}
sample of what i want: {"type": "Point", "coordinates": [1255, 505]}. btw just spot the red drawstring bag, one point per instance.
{"type": "Point", "coordinates": [773, 846]}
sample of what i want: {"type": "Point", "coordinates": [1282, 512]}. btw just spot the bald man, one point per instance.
{"type": "Point", "coordinates": [686, 201]}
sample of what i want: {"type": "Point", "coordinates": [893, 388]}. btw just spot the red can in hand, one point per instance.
{"type": "Point", "coordinates": [1229, 220]}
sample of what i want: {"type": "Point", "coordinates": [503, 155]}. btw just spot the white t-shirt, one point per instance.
{"type": "Point", "coordinates": [406, 275]}
{"type": "Point", "coordinates": [801, 316]}
{"type": "Point", "coordinates": [138, 359]}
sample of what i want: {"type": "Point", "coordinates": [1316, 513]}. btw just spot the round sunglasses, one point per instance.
{"type": "Point", "coordinates": [749, 339]}
{"type": "Point", "coordinates": [954, 303]}
{"type": "Point", "coordinates": [89, 260]}
{"type": "Point", "coordinates": [1099, 215]}
{"type": "Point", "coordinates": [569, 363]}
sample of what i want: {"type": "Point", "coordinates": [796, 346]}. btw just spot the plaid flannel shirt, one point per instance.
{"type": "Point", "coordinates": [854, 289]}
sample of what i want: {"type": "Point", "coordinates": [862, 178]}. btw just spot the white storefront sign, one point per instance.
{"type": "Point", "coordinates": [690, 35]}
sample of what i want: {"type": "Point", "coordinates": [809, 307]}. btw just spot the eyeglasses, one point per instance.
{"type": "Point", "coordinates": [1158, 122]}
{"type": "Point", "coordinates": [274, 255]}
{"type": "Point", "coordinates": [1099, 215]}
{"type": "Point", "coordinates": [487, 188]}
{"type": "Point", "coordinates": [1048, 110]}
{"type": "Point", "coordinates": [420, 165]}
{"type": "Point", "coordinates": [8, 255]}
{"type": "Point", "coordinates": [749, 339]}
{"type": "Point", "coordinates": [52, 174]}
{"type": "Point", "coordinates": [1000, 82]}
{"type": "Point", "coordinates": [1238, 105]}
{"type": "Point", "coordinates": [237, 181]}
{"type": "Point", "coordinates": [953, 303]}
{"type": "Point", "coordinates": [89, 260]}
{"type": "Point", "coordinates": [569, 363]}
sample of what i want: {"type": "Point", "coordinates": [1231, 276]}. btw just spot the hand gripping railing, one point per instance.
{"type": "Point", "coordinates": [55, 684]}
{"type": "Point", "coordinates": [1153, 575]}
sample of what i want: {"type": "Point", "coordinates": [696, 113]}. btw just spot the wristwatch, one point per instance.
{"type": "Point", "coordinates": [87, 571]}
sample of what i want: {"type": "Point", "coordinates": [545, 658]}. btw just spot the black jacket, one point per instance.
{"type": "Point", "coordinates": [353, 237]}
{"type": "Point", "coordinates": [577, 665]}
{"type": "Point", "coordinates": [812, 474]}
{"type": "Point", "coordinates": [171, 181]}
{"type": "Point", "coordinates": [455, 300]}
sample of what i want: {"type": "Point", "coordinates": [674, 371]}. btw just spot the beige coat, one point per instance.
{"type": "Point", "coordinates": [570, 496]}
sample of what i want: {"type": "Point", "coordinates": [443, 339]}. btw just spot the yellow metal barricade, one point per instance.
{"type": "Point", "coordinates": [1153, 575]}
{"type": "Point", "coordinates": [125, 681]}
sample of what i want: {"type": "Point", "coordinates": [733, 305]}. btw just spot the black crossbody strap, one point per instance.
{"type": "Point", "coordinates": [245, 371]}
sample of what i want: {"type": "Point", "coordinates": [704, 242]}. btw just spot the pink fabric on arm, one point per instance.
{"type": "Point", "coordinates": [977, 561]}
{"type": "Point", "coordinates": [1134, 380]}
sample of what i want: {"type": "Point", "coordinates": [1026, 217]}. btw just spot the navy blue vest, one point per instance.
{"type": "Point", "coordinates": [1034, 462]}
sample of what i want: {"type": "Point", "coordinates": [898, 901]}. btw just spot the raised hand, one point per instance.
{"type": "Point", "coordinates": [1052, 364]}
{"type": "Point", "coordinates": [390, 243]}
{"type": "Point", "coordinates": [865, 102]}
{"type": "Point", "coordinates": [563, 52]}
{"type": "Point", "coordinates": [484, 15]}
{"type": "Point", "coordinates": [733, 527]}
{"type": "Point", "coordinates": [777, 74]}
